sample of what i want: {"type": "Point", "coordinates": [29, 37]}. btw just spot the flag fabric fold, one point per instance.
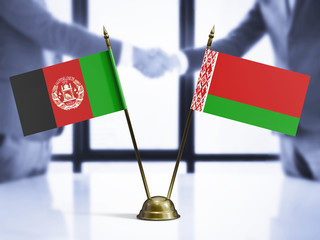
{"type": "Point", "coordinates": [68, 92]}
{"type": "Point", "coordinates": [250, 92]}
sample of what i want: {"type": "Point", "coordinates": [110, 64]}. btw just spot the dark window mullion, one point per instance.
{"type": "Point", "coordinates": [80, 130]}
{"type": "Point", "coordinates": [187, 30]}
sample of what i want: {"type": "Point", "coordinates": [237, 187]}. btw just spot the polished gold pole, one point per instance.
{"type": "Point", "coordinates": [106, 37]}
{"type": "Point", "coordinates": [137, 154]}
{"type": "Point", "coordinates": [186, 129]}
{"type": "Point", "coordinates": [183, 141]}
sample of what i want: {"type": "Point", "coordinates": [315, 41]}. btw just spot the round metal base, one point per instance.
{"type": "Point", "coordinates": [158, 208]}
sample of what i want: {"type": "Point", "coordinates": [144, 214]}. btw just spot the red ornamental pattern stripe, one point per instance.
{"type": "Point", "coordinates": [67, 92]}
{"type": "Point", "coordinates": [259, 85]}
{"type": "Point", "coordinates": [204, 81]}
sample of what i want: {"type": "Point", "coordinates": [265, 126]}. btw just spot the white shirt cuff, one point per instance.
{"type": "Point", "coordinates": [126, 55]}
{"type": "Point", "coordinates": [183, 60]}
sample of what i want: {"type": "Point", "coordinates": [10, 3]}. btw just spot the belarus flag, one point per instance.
{"type": "Point", "coordinates": [250, 92]}
{"type": "Point", "coordinates": [68, 92]}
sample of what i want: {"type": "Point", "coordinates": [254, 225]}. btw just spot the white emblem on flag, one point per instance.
{"type": "Point", "coordinates": [67, 93]}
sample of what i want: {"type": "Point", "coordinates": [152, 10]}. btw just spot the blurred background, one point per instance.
{"type": "Point", "coordinates": [238, 191]}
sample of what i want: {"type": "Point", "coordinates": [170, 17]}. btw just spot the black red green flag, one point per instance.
{"type": "Point", "coordinates": [68, 92]}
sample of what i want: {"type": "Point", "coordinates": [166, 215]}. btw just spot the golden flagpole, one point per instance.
{"type": "Point", "coordinates": [186, 129]}
{"type": "Point", "coordinates": [106, 37]}
{"type": "Point", "coordinates": [159, 207]}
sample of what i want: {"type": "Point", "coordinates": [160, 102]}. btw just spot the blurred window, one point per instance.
{"type": "Point", "coordinates": [153, 103]}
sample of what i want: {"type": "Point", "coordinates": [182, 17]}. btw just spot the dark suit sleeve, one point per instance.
{"type": "Point", "coordinates": [237, 42]}
{"type": "Point", "coordinates": [33, 21]}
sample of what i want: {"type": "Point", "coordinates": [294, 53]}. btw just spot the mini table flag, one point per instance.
{"type": "Point", "coordinates": [250, 92]}
{"type": "Point", "coordinates": [72, 92]}
{"type": "Point", "coordinates": [68, 92]}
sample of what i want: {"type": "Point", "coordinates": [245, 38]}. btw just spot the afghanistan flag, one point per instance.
{"type": "Point", "coordinates": [250, 92]}
{"type": "Point", "coordinates": [68, 92]}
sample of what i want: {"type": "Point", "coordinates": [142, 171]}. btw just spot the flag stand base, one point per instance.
{"type": "Point", "coordinates": [158, 209]}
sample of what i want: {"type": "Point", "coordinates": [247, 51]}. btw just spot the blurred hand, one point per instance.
{"type": "Point", "coordinates": [174, 62]}
{"type": "Point", "coordinates": [152, 63]}
{"type": "Point", "coordinates": [42, 136]}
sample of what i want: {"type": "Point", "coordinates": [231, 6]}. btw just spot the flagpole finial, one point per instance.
{"type": "Point", "coordinates": [211, 36]}
{"type": "Point", "coordinates": [106, 37]}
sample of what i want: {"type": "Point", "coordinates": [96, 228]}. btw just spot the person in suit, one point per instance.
{"type": "Point", "coordinates": [26, 29]}
{"type": "Point", "coordinates": [294, 30]}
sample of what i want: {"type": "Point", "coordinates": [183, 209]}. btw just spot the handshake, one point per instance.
{"type": "Point", "coordinates": [155, 63]}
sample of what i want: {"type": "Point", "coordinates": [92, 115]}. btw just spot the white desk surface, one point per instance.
{"type": "Point", "coordinates": [223, 201]}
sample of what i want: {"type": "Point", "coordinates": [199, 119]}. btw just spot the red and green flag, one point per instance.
{"type": "Point", "coordinates": [68, 92]}
{"type": "Point", "coordinates": [250, 92]}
